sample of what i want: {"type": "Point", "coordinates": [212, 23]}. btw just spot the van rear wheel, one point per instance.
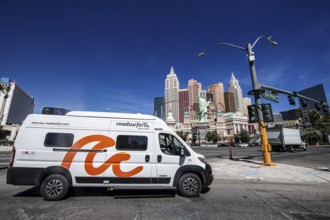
{"type": "Point", "coordinates": [54, 187]}
{"type": "Point", "coordinates": [190, 185]}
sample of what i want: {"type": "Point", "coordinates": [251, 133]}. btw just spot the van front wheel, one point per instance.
{"type": "Point", "coordinates": [54, 187]}
{"type": "Point", "coordinates": [190, 185]}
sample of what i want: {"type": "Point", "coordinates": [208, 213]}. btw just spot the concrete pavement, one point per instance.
{"type": "Point", "coordinates": [242, 169]}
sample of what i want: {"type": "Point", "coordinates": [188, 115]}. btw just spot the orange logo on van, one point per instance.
{"type": "Point", "coordinates": [103, 142]}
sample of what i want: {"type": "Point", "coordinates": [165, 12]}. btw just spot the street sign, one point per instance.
{"type": "Point", "coordinates": [271, 96]}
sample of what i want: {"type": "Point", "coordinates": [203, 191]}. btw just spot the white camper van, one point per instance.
{"type": "Point", "coordinates": [102, 149]}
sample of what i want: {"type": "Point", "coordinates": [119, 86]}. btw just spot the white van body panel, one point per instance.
{"type": "Point", "coordinates": [97, 154]}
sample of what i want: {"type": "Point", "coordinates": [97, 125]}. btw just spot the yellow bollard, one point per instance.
{"type": "Point", "coordinates": [265, 147]}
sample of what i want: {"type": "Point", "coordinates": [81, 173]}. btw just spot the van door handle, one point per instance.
{"type": "Point", "coordinates": [147, 158]}
{"type": "Point", "coordinates": [159, 158]}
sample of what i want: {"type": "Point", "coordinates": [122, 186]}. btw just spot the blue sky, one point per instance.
{"type": "Point", "coordinates": [115, 54]}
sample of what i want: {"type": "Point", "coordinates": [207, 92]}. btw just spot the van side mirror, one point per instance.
{"type": "Point", "coordinates": [182, 152]}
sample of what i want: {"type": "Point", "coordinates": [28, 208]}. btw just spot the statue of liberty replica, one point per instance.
{"type": "Point", "coordinates": [202, 107]}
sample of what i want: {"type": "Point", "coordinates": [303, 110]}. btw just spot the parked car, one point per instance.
{"type": "Point", "coordinates": [225, 144]}
{"type": "Point", "coordinates": [254, 144]}
{"type": "Point", "coordinates": [243, 144]}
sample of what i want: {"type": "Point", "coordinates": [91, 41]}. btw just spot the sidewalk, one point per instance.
{"type": "Point", "coordinates": [242, 169]}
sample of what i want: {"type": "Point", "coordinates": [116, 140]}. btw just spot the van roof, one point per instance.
{"type": "Point", "coordinates": [110, 115]}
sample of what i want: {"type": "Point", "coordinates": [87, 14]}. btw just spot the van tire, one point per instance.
{"type": "Point", "coordinates": [190, 185]}
{"type": "Point", "coordinates": [54, 187]}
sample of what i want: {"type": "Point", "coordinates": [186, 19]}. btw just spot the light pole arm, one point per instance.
{"type": "Point", "coordinates": [267, 38]}
{"type": "Point", "coordinates": [222, 43]}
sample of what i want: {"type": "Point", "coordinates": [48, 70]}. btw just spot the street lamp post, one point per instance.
{"type": "Point", "coordinates": [256, 92]}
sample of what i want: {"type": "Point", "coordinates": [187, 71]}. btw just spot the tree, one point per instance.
{"type": "Point", "coordinates": [326, 118]}
{"type": "Point", "coordinates": [245, 136]}
{"type": "Point", "coordinates": [312, 135]}
{"type": "Point", "coordinates": [209, 136]}
{"type": "Point", "coordinates": [215, 137]}
{"type": "Point", "coordinates": [212, 136]}
{"type": "Point", "coordinates": [314, 117]}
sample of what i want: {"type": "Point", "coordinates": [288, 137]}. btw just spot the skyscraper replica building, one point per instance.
{"type": "Point", "coordinates": [159, 107]}
{"type": "Point", "coordinates": [194, 87]}
{"type": "Point", "coordinates": [235, 88]}
{"type": "Point", "coordinates": [183, 103]}
{"type": "Point", "coordinates": [195, 111]}
{"type": "Point", "coordinates": [172, 95]}
{"type": "Point", "coordinates": [217, 91]}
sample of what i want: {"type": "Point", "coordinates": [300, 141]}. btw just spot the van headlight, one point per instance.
{"type": "Point", "coordinates": [202, 159]}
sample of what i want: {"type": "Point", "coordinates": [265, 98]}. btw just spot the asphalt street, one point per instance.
{"type": "Point", "coordinates": [242, 189]}
{"type": "Point", "coordinates": [227, 199]}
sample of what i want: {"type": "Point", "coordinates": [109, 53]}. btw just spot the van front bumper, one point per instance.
{"type": "Point", "coordinates": [208, 175]}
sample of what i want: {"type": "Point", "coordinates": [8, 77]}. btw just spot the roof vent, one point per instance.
{"type": "Point", "coordinates": [54, 111]}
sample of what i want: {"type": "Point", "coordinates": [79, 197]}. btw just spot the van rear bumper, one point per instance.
{"type": "Point", "coordinates": [24, 176]}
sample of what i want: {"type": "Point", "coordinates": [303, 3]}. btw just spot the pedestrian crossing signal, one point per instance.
{"type": "Point", "coordinates": [253, 113]}
{"type": "Point", "coordinates": [267, 112]}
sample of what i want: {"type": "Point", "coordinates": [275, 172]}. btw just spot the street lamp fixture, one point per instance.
{"type": "Point", "coordinates": [256, 91]}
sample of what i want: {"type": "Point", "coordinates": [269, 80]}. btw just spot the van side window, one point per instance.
{"type": "Point", "coordinates": [169, 144]}
{"type": "Point", "coordinates": [129, 142]}
{"type": "Point", "coordinates": [58, 140]}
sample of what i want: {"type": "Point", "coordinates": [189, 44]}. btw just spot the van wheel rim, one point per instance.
{"type": "Point", "coordinates": [190, 185]}
{"type": "Point", "coordinates": [54, 187]}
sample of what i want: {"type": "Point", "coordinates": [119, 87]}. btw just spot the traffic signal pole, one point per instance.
{"type": "Point", "coordinates": [257, 91]}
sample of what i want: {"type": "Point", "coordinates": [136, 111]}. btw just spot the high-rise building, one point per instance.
{"type": "Point", "coordinates": [159, 107]}
{"type": "Point", "coordinates": [314, 92]}
{"type": "Point", "coordinates": [194, 87]}
{"type": "Point", "coordinates": [235, 88]}
{"type": "Point", "coordinates": [229, 102]}
{"type": "Point", "coordinates": [15, 103]}
{"type": "Point", "coordinates": [183, 103]}
{"type": "Point", "coordinates": [217, 90]}
{"type": "Point", "coordinates": [172, 95]}
{"type": "Point", "coordinates": [246, 101]}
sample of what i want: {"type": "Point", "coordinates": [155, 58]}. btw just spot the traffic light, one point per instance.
{"type": "Point", "coordinates": [253, 113]}
{"type": "Point", "coordinates": [317, 106]}
{"type": "Point", "coordinates": [302, 102]}
{"type": "Point", "coordinates": [291, 100]}
{"type": "Point", "coordinates": [325, 108]}
{"type": "Point", "coordinates": [267, 112]}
